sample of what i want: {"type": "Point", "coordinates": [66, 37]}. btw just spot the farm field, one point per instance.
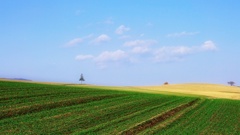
{"type": "Point", "coordinates": [31, 108]}
{"type": "Point", "coordinates": [191, 89]}
{"type": "Point", "coordinates": [206, 90]}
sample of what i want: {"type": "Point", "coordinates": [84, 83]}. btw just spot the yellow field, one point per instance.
{"type": "Point", "coordinates": [205, 90]}
{"type": "Point", "coordinates": [209, 90]}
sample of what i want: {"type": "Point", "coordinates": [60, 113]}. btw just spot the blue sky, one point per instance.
{"type": "Point", "coordinates": [137, 42]}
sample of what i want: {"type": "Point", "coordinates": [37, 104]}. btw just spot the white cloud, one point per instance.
{"type": "Point", "coordinates": [177, 53]}
{"type": "Point", "coordinates": [182, 50]}
{"type": "Point", "coordinates": [140, 43]}
{"type": "Point", "coordinates": [101, 38]}
{"type": "Point", "coordinates": [111, 56]}
{"type": "Point", "coordinates": [209, 46]}
{"type": "Point", "coordinates": [172, 53]}
{"type": "Point", "coordinates": [84, 57]}
{"type": "Point", "coordinates": [77, 41]}
{"type": "Point", "coordinates": [140, 49]}
{"type": "Point", "coordinates": [121, 29]}
{"type": "Point", "coordinates": [74, 42]}
{"type": "Point", "coordinates": [181, 34]}
{"type": "Point", "coordinates": [105, 58]}
{"type": "Point", "coordinates": [140, 46]}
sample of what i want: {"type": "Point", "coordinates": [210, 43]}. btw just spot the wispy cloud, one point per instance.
{"type": "Point", "coordinates": [140, 43]}
{"type": "Point", "coordinates": [77, 41]}
{"type": "Point", "coordinates": [182, 34]}
{"type": "Point", "coordinates": [121, 29]}
{"type": "Point", "coordinates": [140, 46]}
{"type": "Point", "coordinates": [74, 42]}
{"type": "Point", "coordinates": [84, 57]}
{"type": "Point", "coordinates": [179, 52]}
{"type": "Point", "coordinates": [102, 38]}
{"type": "Point", "coordinates": [164, 54]}
{"type": "Point", "coordinates": [105, 58]}
{"type": "Point", "coordinates": [141, 50]}
{"type": "Point", "coordinates": [108, 56]}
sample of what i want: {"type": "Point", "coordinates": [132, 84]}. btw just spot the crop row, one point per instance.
{"type": "Point", "coordinates": [22, 98]}
{"type": "Point", "coordinates": [123, 122]}
{"type": "Point", "coordinates": [95, 116]}
{"type": "Point", "coordinates": [48, 109]}
{"type": "Point", "coordinates": [216, 116]}
{"type": "Point", "coordinates": [157, 119]}
{"type": "Point", "coordinates": [61, 109]}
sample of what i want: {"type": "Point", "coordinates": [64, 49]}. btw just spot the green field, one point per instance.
{"type": "Point", "coordinates": [30, 108]}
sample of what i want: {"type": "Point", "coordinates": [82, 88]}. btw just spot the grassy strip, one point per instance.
{"type": "Point", "coordinates": [51, 105]}
{"type": "Point", "coordinates": [164, 124]}
{"type": "Point", "coordinates": [211, 117]}
{"type": "Point", "coordinates": [152, 122]}
{"type": "Point", "coordinates": [101, 116]}
{"type": "Point", "coordinates": [20, 103]}
{"type": "Point", "coordinates": [58, 120]}
{"type": "Point", "coordinates": [73, 118]}
{"type": "Point", "coordinates": [42, 94]}
{"type": "Point", "coordinates": [124, 121]}
{"type": "Point", "coordinates": [77, 119]}
{"type": "Point", "coordinates": [224, 118]}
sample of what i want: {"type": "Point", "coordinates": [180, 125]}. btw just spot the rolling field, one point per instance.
{"type": "Point", "coordinates": [206, 90]}
{"type": "Point", "coordinates": [30, 108]}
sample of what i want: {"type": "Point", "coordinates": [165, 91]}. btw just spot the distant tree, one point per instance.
{"type": "Point", "coordinates": [81, 78]}
{"type": "Point", "coordinates": [231, 83]}
{"type": "Point", "coordinates": [166, 83]}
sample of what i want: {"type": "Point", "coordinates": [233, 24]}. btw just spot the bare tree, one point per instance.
{"type": "Point", "coordinates": [231, 83]}
{"type": "Point", "coordinates": [81, 78]}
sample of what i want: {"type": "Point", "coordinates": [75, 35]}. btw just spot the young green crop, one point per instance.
{"type": "Point", "coordinates": [28, 108]}
{"type": "Point", "coordinates": [210, 117]}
